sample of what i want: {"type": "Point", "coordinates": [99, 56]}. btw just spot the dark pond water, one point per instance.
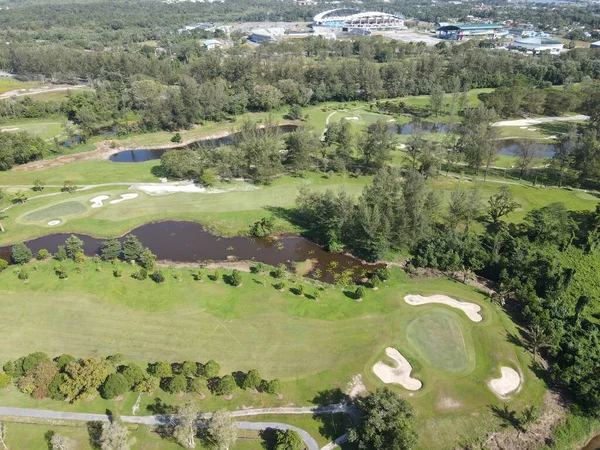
{"type": "Point", "coordinates": [594, 444]}
{"type": "Point", "coordinates": [142, 155]}
{"type": "Point", "coordinates": [510, 146]}
{"type": "Point", "coordinates": [422, 126]}
{"type": "Point", "coordinates": [190, 242]}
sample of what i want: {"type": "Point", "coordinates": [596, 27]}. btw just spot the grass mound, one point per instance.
{"type": "Point", "coordinates": [438, 339]}
{"type": "Point", "coordinates": [64, 209]}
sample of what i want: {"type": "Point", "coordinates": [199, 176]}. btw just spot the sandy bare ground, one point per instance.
{"type": "Point", "coordinates": [553, 412]}
{"type": "Point", "coordinates": [508, 383]}
{"type": "Point", "coordinates": [356, 386]}
{"type": "Point", "coordinates": [524, 123]}
{"type": "Point", "coordinates": [41, 90]}
{"type": "Point", "coordinates": [399, 374]}
{"type": "Point", "coordinates": [470, 309]}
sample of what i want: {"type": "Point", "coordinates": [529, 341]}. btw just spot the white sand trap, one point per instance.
{"type": "Point", "coordinates": [53, 223]}
{"type": "Point", "coordinates": [352, 118]}
{"type": "Point", "coordinates": [9, 129]}
{"type": "Point", "coordinates": [509, 382]}
{"type": "Point", "coordinates": [470, 309]}
{"type": "Point", "coordinates": [170, 189]}
{"type": "Point", "coordinates": [98, 202]}
{"type": "Point", "coordinates": [523, 128]}
{"type": "Point", "coordinates": [399, 374]}
{"type": "Point", "coordinates": [123, 198]}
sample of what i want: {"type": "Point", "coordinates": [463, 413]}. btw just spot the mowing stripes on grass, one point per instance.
{"type": "Point", "coordinates": [64, 209]}
{"type": "Point", "coordinates": [438, 339]}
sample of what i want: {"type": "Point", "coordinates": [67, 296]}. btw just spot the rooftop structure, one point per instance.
{"type": "Point", "coordinates": [266, 34]}
{"type": "Point", "coordinates": [211, 44]}
{"type": "Point", "coordinates": [538, 44]}
{"type": "Point", "coordinates": [458, 32]}
{"type": "Point", "coordinates": [345, 19]}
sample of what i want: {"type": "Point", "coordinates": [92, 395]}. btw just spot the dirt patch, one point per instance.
{"type": "Point", "coordinates": [553, 411]}
{"type": "Point", "coordinates": [356, 386]}
{"type": "Point", "coordinates": [448, 403]}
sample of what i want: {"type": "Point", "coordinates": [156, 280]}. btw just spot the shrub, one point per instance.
{"type": "Point", "coordinates": [148, 385]}
{"type": "Point", "coordinates": [359, 293]}
{"type": "Point", "coordinates": [176, 384]}
{"type": "Point", "coordinates": [263, 227]}
{"type": "Point", "coordinates": [118, 273]}
{"type": "Point", "coordinates": [199, 276]}
{"type": "Point", "coordinates": [21, 254]}
{"type": "Point", "coordinates": [69, 187]}
{"type": "Point", "coordinates": [383, 274]}
{"type": "Point", "coordinates": [147, 259]}
{"type": "Point", "coordinates": [279, 272]}
{"type": "Point", "coordinates": [42, 255]}
{"type": "Point", "coordinates": [23, 274]}
{"type": "Point", "coordinates": [300, 289]}
{"type": "Point", "coordinates": [176, 138]}
{"type": "Point", "coordinates": [132, 248]}
{"type": "Point", "coordinates": [3, 264]}
{"type": "Point", "coordinates": [210, 370]}
{"type": "Point", "coordinates": [158, 276]}
{"type": "Point", "coordinates": [217, 275]}
{"type": "Point", "coordinates": [236, 278]}
{"type": "Point", "coordinates": [225, 386]}
{"type": "Point", "coordinates": [32, 360]}
{"type": "Point", "coordinates": [116, 384]}
{"type": "Point", "coordinates": [5, 380]}
{"type": "Point", "coordinates": [279, 286]}
{"type": "Point", "coordinates": [61, 272]}
{"type": "Point", "coordinates": [9, 367]}
{"type": "Point", "coordinates": [316, 294]}
{"type": "Point", "coordinates": [375, 282]}
{"type": "Point", "coordinates": [252, 380]}
{"type": "Point", "coordinates": [141, 275]}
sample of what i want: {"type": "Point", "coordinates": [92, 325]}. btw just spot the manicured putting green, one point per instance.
{"type": "Point", "coordinates": [64, 209]}
{"type": "Point", "coordinates": [438, 339]}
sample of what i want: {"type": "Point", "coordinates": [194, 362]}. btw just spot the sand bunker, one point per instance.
{"type": "Point", "coordinates": [6, 130]}
{"type": "Point", "coordinates": [98, 202]}
{"type": "Point", "coordinates": [399, 374]}
{"type": "Point", "coordinates": [470, 309]}
{"type": "Point", "coordinates": [161, 189]}
{"type": "Point", "coordinates": [123, 198]}
{"type": "Point", "coordinates": [509, 382]}
{"type": "Point", "coordinates": [53, 223]}
{"type": "Point", "coordinates": [352, 118]}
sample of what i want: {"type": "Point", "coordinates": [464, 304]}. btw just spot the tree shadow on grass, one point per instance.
{"type": "Point", "coordinates": [269, 437]}
{"type": "Point", "coordinates": [159, 408]}
{"type": "Point", "coordinates": [331, 397]}
{"type": "Point", "coordinates": [508, 417]}
{"type": "Point", "coordinates": [291, 215]}
{"type": "Point", "coordinates": [158, 171]}
{"type": "Point", "coordinates": [238, 376]}
{"type": "Point", "coordinates": [352, 295]}
{"type": "Point", "coordinates": [94, 433]}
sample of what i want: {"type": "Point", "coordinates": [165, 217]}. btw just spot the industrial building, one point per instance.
{"type": "Point", "coordinates": [538, 45]}
{"type": "Point", "coordinates": [458, 32]}
{"type": "Point", "coordinates": [344, 20]}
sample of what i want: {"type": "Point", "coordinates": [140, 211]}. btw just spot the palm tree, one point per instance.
{"type": "Point", "coordinates": [538, 337]}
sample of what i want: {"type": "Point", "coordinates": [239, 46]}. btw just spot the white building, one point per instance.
{"type": "Point", "coordinates": [538, 45]}
{"type": "Point", "coordinates": [266, 34]}
{"type": "Point", "coordinates": [344, 20]}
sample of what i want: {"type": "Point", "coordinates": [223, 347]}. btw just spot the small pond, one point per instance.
{"type": "Point", "coordinates": [509, 147]}
{"type": "Point", "coordinates": [423, 126]}
{"type": "Point", "coordinates": [190, 242]}
{"type": "Point", "coordinates": [142, 155]}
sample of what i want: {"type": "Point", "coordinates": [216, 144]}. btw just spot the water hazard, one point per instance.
{"type": "Point", "coordinates": [510, 147]}
{"type": "Point", "coordinates": [190, 242]}
{"type": "Point", "coordinates": [143, 155]}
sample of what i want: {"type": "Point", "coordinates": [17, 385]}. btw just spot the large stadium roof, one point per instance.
{"type": "Point", "coordinates": [471, 27]}
{"type": "Point", "coordinates": [348, 13]}
{"type": "Point", "coordinates": [537, 41]}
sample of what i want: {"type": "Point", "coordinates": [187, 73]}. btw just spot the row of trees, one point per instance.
{"type": "Point", "coordinates": [71, 379]}
{"type": "Point", "coordinates": [20, 148]}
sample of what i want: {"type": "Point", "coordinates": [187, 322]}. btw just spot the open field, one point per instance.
{"type": "Point", "coordinates": [44, 128]}
{"type": "Point", "coordinates": [256, 326]}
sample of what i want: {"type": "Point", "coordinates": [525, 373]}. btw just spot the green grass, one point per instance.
{"type": "Point", "coordinates": [44, 128]}
{"type": "Point", "coordinates": [93, 313]}
{"type": "Point", "coordinates": [10, 84]}
{"type": "Point", "coordinates": [58, 211]}
{"type": "Point", "coordinates": [439, 341]}
{"type": "Point", "coordinates": [35, 437]}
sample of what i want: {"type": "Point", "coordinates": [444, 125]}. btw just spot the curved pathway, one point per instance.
{"type": "Point", "coordinates": [310, 442]}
